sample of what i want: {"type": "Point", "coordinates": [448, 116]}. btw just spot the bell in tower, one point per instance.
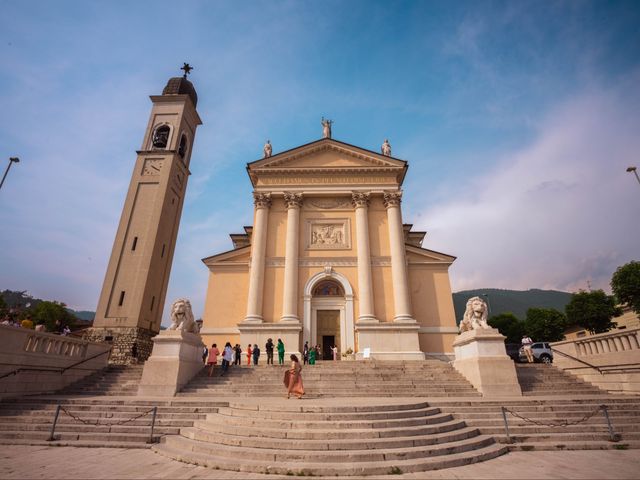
{"type": "Point", "coordinates": [130, 308]}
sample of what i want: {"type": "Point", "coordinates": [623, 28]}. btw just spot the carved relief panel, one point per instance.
{"type": "Point", "coordinates": [328, 234]}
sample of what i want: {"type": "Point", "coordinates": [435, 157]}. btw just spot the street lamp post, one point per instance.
{"type": "Point", "coordinates": [12, 160]}
{"type": "Point", "coordinates": [635, 172]}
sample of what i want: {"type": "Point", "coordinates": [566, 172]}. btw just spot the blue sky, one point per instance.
{"type": "Point", "coordinates": [518, 120]}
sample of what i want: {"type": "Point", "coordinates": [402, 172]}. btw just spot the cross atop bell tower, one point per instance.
{"type": "Point", "coordinates": [130, 308]}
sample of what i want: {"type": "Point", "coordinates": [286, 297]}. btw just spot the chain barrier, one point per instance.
{"type": "Point", "coordinates": [99, 423]}
{"type": "Point", "coordinates": [614, 437]}
{"type": "Point", "coordinates": [564, 423]}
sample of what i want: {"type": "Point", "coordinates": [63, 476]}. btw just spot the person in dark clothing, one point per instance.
{"type": "Point", "coordinates": [256, 354]}
{"type": "Point", "coordinates": [269, 348]}
{"type": "Point", "coordinates": [238, 358]}
{"type": "Point", "coordinates": [305, 353]}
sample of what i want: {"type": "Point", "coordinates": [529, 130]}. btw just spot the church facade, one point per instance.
{"type": "Point", "coordinates": [329, 261]}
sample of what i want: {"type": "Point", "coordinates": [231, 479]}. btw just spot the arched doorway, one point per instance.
{"type": "Point", "coordinates": [328, 312]}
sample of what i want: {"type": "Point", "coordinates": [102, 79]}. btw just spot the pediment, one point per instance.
{"type": "Point", "coordinates": [327, 156]}
{"type": "Point", "coordinates": [423, 255]}
{"type": "Point", "coordinates": [238, 256]}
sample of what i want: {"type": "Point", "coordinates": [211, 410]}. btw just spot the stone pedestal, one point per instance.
{"type": "Point", "coordinates": [482, 358]}
{"type": "Point", "coordinates": [389, 341]}
{"type": "Point", "coordinates": [176, 359]}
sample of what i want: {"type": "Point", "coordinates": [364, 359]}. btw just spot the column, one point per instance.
{"type": "Point", "coordinates": [262, 202]}
{"type": "Point", "coordinates": [293, 201]}
{"type": "Point", "coordinates": [365, 287]}
{"type": "Point", "coordinates": [399, 274]}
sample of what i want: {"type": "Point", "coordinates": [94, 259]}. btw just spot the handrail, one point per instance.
{"type": "Point", "coordinates": [602, 369]}
{"type": "Point", "coordinates": [598, 369]}
{"type": "Point", "coordinates": [60, 370]}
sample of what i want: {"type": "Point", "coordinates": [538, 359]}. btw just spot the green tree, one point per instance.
{"type": "Point", "coordinates": [625, 284]}
{"type": "Point", "coordinates": [508, 325]}
{"type": "Point", "coordinates": [545, 324]}
{"type": "Point", "coordinates": [592, 310]}
{"type": "Point", "coordinates": [4, 308]}
{"type": "Point", "coordinates": [50, 313]}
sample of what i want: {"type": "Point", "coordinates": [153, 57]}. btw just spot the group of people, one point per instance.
{"type": "Point", "coordinates": [233, 355]}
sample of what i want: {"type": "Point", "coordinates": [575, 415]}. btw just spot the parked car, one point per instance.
{"type": "Point", "coordinates": [541, 353]}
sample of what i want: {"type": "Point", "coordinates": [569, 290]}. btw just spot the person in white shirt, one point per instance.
{"type": "Point", "coordinates": [227, 356]}
{"type": "Point", "coordinates": [526, 343]}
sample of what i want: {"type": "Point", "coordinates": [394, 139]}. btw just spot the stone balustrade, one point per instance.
{"type": "Point", "coordinates": [42, 356]}
{"type": "Point", "coordinates": [610, 342]}
{"type": "Point", "coordinates": [616, 355]}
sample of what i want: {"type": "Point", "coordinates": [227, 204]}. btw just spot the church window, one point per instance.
{"type": "Point", "coordinates": [161, 136]}
{"type": "Point", "coordinates": [162, 254]}
{"type": "Point", "coordinates": [121, 301]}
{"type": "Point", "coordinates": [135, 242]}
{"type": "Point", "coordinates": [182, 148]}
{"type": "Point", "coordinates": [153, 300]}
{"type": "Point", "coordinates": [328, 288]}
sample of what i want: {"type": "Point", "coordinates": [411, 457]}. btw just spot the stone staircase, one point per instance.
{"type": "Point", "coordinates": [294, 438]}
{"type": "Point", "coordinates": [431, 378]}
{"type": "Point", "coordinates": [592, 434]}
{"type": "Point", "coordinates": [542, 379]}
{"type": "Point", "coordinates": [121, 380]}
{"type": "Point", "coordinates": [28, 421]}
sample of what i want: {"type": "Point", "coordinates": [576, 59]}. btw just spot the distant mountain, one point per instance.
{"type": "Point", "coordinates": [83, 314]}
{"type": "Point", "coordinates": [514, 301]}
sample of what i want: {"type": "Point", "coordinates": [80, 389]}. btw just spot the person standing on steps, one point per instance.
{"type": "Point", "coordinates": [305, 353]}
{"type": "Point", "coordinates": [293, 378]}
{"type": "Point", "coordinates": [238, 359]}
{"type": "Point", "coordinates": [249, 353]}
{"type": "Point", "coordinates": [227, 355]}
{"type": "Point", "coordinates": [280, 352]}
{"type": "Point", "coordinates": [256, 354]}
{"type": "Point", "coordinates": [312, 356]}
{"type": "Point", "coordinates": [213, 358]}
{"type": "Point", "coordinates": [205, 353]}
{"type": "Point", "coordinates": [334, 353]}
{"type": "Point", "coordinates": [526, 344]}
{"type": "Point", "coordinates": [269, 348]}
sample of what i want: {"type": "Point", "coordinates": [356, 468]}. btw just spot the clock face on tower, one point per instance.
{"type": "Point", "coordinates": [152, 167]}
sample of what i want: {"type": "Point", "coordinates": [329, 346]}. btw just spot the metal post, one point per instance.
{"type": "Point", "coordinates": [153, 424]}
{"type": "Point", "coordinates": [506, 424]}
{"type": "Point", "coordinates": [12, 160]}
{"type": "Point", "coordinates": [613, 437]}
{"type": "Point", "coordinates": [53, 427]}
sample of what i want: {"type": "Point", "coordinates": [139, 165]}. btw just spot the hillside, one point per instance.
{"type": "Point", "coordinates": [22, 300]}
{"type": "Point", "coordinates": [514, 301]}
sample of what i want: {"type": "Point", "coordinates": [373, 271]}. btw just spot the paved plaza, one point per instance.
{"type": "Point", "coordinates": [32, 462]}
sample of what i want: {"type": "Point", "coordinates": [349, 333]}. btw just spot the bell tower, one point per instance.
{"type": "Point", "coordinates": [135, 286]}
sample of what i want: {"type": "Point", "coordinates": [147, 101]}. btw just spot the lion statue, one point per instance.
{"type": "Point", "coordinates": [475, 315]}
{"type": "Point", "coordinates": [182, 316]}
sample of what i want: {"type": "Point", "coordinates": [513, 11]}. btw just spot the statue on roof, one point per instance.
{"type": "Point", "coordinates": [266, 150]}
{"type": "Point", "coordinates": [386, 148]}
{"type": "Point", "coordinates": [326, 127]}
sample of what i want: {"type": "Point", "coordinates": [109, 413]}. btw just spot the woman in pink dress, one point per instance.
{"type": "Point", "coordinates": [293, 378]}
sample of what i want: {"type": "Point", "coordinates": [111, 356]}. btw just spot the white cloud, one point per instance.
{"type": "Point", "coordinates": [559, 212]}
